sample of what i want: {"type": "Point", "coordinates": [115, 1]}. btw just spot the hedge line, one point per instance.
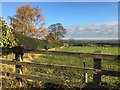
{"type": "Point", "coordinates": [35, 44]}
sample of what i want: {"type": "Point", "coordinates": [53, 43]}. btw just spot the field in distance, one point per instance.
{"type": "Point", "coordinates": [90, 49]}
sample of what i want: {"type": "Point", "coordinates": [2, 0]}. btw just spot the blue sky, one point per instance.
{"type": "Point", "coordinates": [71, 14]}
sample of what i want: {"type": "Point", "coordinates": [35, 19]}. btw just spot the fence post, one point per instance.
{"type": "Point", "coordinates": [18, 57]}
{"type": "Point", "coordinates": [85, 74]}
{"type": "Point", "coordinates": [97, 65]}
{"type": "Point", "coordinates": [18, 67]}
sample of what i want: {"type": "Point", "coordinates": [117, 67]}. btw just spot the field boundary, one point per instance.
{"type": "Point", "coordinates": [96, 70]}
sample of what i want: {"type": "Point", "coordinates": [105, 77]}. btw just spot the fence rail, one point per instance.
{"type": "Point", "coordinates": [38, 78]}
{"type": "Point", "coordinates": [64, 67]}
{"type": "Point", "coordinates": [92, 55]}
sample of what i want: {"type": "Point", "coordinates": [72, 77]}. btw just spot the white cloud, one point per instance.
{"type": "Point", "coordinates": [99, 30]}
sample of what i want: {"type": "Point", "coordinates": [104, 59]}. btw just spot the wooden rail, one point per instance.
{"type": "Point", "coordinates": [91, 55]}
{"type": "Point", "coordinates": [38, 78]}
{"type": "Point", "coordinates": [52, 66]}
{"type": "Point", "coordinates": [43, 79]}
{"type": "Point", "coordinates": [96, 70]}
{"type": "Point", "coordinates": [63, 67]}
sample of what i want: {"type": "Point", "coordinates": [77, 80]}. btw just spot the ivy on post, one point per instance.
{"type": "Point", "coordinates": [97, 65]}
{"type": "Point", "coordinates": [18, 51]}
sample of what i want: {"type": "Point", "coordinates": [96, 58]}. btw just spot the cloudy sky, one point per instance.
{"type": "Point", "coordinates": [93, 31]}
{"type": "Point", "coordinates": [83, 20]}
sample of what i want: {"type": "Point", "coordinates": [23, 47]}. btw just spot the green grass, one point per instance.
{"type": "Point", "coordinates": [91, 49]}
{"type": "Point", "coordinates": [75, 76]}
{"type": "Point", "coordinates": [78, 61]}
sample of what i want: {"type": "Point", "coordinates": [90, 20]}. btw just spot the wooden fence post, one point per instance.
{"type": "Point", "coordinates": [18, 57]}
{"type": "Point", "coordinates": [97, 65]}
{"type": "Point", "coordinates": [18, 67]}
{"type": "Point", "coordinates": [85, 74]}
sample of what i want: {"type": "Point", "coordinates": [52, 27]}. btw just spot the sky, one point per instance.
{"type": "Point", "coordinates": [81, 19]}
{"type": "Point", "coordinates": [60, 0]}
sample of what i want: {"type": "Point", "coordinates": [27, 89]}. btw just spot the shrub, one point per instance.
{"type": "Point", "coordinates": [34, 43]}
{"type": "Point", "coordinates": [8, 39]}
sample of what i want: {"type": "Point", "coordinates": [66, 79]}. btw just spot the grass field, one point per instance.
{"type": "Point", "coordinates": [78, 61]}
{"type": "Point", "coordinates": [75, 76]}
{"type": "Point", "coordinates": [91, 49]}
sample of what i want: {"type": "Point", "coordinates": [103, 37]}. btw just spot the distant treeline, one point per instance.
{"type": "Point", "coordinates": [74, 42]}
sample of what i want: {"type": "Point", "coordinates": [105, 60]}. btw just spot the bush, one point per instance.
{"type": "Point", "coordinates": [34, 43]}
{"type": "Point", "coordinates": [8, 39]}
{"type": "Point", "coordinates": [29, 43]}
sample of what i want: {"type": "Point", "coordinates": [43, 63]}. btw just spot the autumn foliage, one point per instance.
{"type": "Point", "coordinates": [28, 21]}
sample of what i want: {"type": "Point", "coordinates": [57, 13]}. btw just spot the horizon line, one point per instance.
{"type": "Point", "coordinates": [92, 38]}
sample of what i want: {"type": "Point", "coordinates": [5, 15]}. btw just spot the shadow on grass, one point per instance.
{"type": "Point", "coordinates": [10, 85]}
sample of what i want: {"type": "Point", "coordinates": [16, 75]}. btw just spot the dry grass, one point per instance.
{"type": "Point", "coordinates": [30, 57]}
{"type": "Point", "coordinates": [11, 68]}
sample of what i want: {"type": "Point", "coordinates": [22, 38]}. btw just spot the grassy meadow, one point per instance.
{"type": "Point", "coordinates": [75, 76]}
{"type": "Point", "coordinates": [71, 76]}
{"type": "Point", "coordinates": [90, 49]}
